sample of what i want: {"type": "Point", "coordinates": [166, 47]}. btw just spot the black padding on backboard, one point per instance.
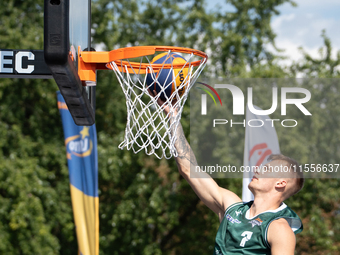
{"type": "Point", "coordinates": [56, 32]}
{"type": "Point", "coordinates": [57, 57]}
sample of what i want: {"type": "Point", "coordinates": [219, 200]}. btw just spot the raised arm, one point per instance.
{"type": "Point", "coordinates": [216, 198]}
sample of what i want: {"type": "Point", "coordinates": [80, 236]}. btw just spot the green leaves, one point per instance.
{"type": "Point", "coordinates": [26, 197]}
{"type": "Point", "coordinates": [323, 67]}
{"type": "Point", "coordinates": [145, 206]}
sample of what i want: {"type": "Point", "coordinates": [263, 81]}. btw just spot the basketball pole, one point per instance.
{"type": "Point", "coordinates": [91, 90]}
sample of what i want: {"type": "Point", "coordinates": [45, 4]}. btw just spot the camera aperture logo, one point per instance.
{"type": "Point", "coordinates": [204, 97]}
{"type": "Point", "coordinates": [239, 105]}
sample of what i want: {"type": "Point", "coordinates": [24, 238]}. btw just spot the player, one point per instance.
{"type": "Point", "coordinates": [263, 226]}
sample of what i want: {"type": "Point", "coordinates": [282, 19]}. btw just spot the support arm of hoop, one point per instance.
{"type": "Point", "coordinates": [87, 68]}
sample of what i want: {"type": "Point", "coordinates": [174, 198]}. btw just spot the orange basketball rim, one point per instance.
{"type": "Point", "coordinates": [90, 61]}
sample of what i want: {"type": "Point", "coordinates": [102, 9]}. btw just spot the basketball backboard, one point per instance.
{"type": "Point", "coordinates": [80, 37]}
{"type": "Point", "coordinates": [67, 31]}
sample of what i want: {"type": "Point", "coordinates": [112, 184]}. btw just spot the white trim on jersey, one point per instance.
{"type": "Point", "coordinates": [282, 206]}
{"type": "Point", "coordinates": [231, 206]}
{"type": "Point", "coordinates": [294, 223]}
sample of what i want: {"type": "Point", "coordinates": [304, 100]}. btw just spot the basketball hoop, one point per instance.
{"type": "Point", "coordinates": [148, 127]}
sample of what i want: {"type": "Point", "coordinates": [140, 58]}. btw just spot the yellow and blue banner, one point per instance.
{"type": "Point", "coordinates": [82, 159]}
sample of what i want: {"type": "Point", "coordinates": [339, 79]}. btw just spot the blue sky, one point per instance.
{"type": "Point", "coordinates": [302, 26]}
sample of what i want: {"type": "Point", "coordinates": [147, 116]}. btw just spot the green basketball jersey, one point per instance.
{"type": "Point", "coordinates": [239, 234]}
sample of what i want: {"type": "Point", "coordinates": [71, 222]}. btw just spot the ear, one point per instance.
{"type": "Point", "coordinates": [281, 183]}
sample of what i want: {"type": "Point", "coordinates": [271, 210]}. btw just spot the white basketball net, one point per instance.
{"type": "Point", "coordinates": [148, 127]}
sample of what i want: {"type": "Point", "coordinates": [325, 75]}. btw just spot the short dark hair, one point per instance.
{"type": "Point", "coordinates": [292, 163]}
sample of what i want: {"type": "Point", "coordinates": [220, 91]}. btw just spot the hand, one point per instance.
{"type": "Point", "coordinates": [166, 107]}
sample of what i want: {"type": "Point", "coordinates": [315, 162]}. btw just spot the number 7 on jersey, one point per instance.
{"type": "Point", "coordinates": [247, 235]}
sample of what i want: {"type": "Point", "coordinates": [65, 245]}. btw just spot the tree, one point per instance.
{"type": "Point", "coordinates": [324, 67]}
{"type": "Point", "coordinates": [319, 203]}
{"type": "Point", "coordinates": [233, 39]}
{"type": "Point", "coordinates": [36, 214]}
{"type": "Point", "coordinates": [145, 206]}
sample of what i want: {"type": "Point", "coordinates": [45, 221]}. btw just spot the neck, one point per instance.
{"type": "Point", "coordinates": [264, 203]}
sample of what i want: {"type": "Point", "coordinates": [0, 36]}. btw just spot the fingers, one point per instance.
{"type": "Point", "coordinates": [154, 94]}
{"type": "Point", "coordinates": [159, 100]}
{"type": "Point", "coordinates": [166, 107]}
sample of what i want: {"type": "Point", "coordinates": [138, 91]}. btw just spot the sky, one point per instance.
{"type": "Point", "coordinates": [302, 26]}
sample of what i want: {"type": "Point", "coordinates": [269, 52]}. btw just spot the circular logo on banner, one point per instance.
{"type": "Point", "coordinates": [79, 145]}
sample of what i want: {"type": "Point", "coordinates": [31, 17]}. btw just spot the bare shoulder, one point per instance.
{"type": "Point", "coordinates": [281, 237]}
{"type": "Point", "coordinates": [229, 198]}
